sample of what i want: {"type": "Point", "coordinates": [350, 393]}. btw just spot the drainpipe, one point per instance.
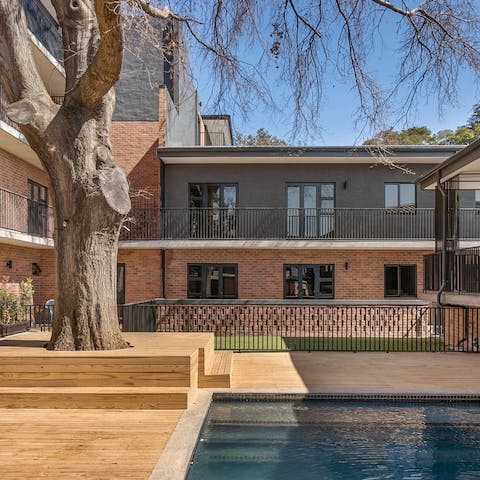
{"type": "Point", "coordinates": [443, 192]}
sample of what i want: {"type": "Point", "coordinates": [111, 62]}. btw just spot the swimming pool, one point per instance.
{"type": "Point", "coordinates": [260, 439]}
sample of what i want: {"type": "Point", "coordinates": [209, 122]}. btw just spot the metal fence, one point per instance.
{"type": "Point", "coordinates": [463, 267]}
{"type": "Point", "coordinates": [17, 318]}
{"type": "Point", "coordinates": [20, 214]}
{"type": "Point", "coordinates": [245, 327]}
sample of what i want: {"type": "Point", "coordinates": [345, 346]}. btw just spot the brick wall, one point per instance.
{"type": "Point", "coordinates": [15, 174]}
{"type": "Point", "coordinates": [142, 274]}
{"type": "Point", "coordinates": [260, 272]}
{"type": "Point", "coordinates": [22, 259]}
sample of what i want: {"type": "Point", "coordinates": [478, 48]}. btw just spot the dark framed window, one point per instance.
{"type": "Point", "coordinates": [477, 198]}
{"type": "Point", "coordinates": [400, 195]}
{"type": "Point", "coordinates": [120, 283]}
{"type": "Point", "coordinates": [212, 195]}
{"type": "Point", "coordinates": [212, 210]}
{"type": "Point", "coordinates": [310, 211]}
{"type": "Point", "coordinates": [206, 280]}
{"type": "Point", "coordinates": [309, 281]}
{"type": "Point", "coordinates": [37, 209]}
{"type": "Point", "coordinates": [400, 280]}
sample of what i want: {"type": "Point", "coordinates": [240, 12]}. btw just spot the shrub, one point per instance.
{"type": "Point", "coordinates": [12, 308]}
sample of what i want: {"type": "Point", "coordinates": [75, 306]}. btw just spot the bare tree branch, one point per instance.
{"type": "Point", "coordinates": [93, 43]}
{"type": "Point", "coordinates": [31, 107]}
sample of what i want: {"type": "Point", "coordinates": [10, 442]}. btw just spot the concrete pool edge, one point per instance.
{"type": "Point", "coordinates": [175, 459]}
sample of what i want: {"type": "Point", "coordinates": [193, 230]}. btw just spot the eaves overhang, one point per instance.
{"type": "Point", "coordinates": [464, 162]}
{"type": "Point", "coordinates": [403, 154]}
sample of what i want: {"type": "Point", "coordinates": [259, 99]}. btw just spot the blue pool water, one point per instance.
{"type": "Point", "coordinates": [338, 440]}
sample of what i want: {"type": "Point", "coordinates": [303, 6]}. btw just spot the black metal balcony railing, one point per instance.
{"type": "Point", "coordinates": [20, 214]}
{"type": "Point", "coordinates": [283, 223]}
{"type": "Point", "coordinates": [215, 139]}
{"type": "Point", "coordinates": [463, 271]}
{"type": "Point", "coordinates": [44, 27]}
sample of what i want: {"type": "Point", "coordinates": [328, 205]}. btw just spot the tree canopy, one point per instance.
{"type": "Point", "coordinates": [261, 138]}
{"type": "Point", "coordinates": [462, 135]}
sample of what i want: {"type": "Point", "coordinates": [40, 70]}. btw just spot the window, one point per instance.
{"type": "Point", "coordinates": [212, 281]}
{"type": "Point", "coordinates": [120, 283]}
{"type": "Point", "coordinates": [212, 212]}
{"type": "Point", "coordinates": [310, 209]}
{"type": "Point", "coordinates": [308, 281]}
{"type": "Point", "coordinates": [400, 280]}
{"type": "Point", "coordinates": [37, 209]}
{"type": "Point", "coordinates": [400, 195]}
{"type": "Point", "coordinates": [477, 198]}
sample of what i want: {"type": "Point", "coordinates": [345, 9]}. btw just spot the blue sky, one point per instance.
{"type": "Point", "coordinates": [337, 113]}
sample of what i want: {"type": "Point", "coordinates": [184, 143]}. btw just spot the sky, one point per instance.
{"type": "Point", "coordinates": [337, 113]}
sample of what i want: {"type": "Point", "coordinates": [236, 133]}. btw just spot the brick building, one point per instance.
{"type": "Point", "coordinates": [210, 220]}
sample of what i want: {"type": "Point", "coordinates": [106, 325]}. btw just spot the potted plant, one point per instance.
{"type": "Point", "coordinates": [14, 309]}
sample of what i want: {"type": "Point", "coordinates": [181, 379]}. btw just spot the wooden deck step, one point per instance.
{"type": "Point", "coordinates": [220, 371]}
{"type": "Point", "coordinates": [145, 371]}
{"type": "Point", "coordinates": [121, 398]}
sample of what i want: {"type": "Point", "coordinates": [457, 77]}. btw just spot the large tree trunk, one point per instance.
{"type": "Point", "coordinates": [86, 257]}
{"type": "Point", "coordinates": [91, 199]}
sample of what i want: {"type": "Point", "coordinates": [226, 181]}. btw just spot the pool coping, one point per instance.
{"type": "Point", "coordinates": [175, 459]}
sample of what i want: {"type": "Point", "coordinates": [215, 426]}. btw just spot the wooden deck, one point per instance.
{"type": "Point", "coordinates": [90, 443]}
{"type": "Point", "coordinates": [357, 372]}
{"type": "Point", "coordinates": [82, 444]}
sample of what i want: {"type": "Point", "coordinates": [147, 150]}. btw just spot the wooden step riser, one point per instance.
{"type": "Point", "coordinates": [94, 380]}
{"type": "Point", "coordinates": [133, 401]}
{"type": "Point", "coordinates": [214, 381]}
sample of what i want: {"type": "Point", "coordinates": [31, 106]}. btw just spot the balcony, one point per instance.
{"type": "Point", "coordinates": [463, 267]}
{"type": "Point", "coordinates": [290, 224]}
{"type": "Point", "coordinates": [44, 28]}
{"type": "Point", "coordinates": [20, 214]}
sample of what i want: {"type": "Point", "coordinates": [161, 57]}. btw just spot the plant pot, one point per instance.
{"type": "Point", "coordinates": [12, 328]}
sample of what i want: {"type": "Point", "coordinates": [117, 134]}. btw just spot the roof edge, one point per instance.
{"type": "Point", "coordinates": [428, 178]}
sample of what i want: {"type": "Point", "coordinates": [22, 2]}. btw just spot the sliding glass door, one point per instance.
{"type": "Point", "coordinates": [310, 211]}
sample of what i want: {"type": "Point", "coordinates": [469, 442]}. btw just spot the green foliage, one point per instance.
{"type": "Point", "coordinates": [409, 136]}
{"type": "Point", "coordinates": [475, 117]}
{"type": "Point", "coordinates": [26, 291]}
{"type": "Point", "coordinates": [12, 307]}
{"type": "Point", "coordinates": [261, 138]}
{"type": "Point", "coordinates": [462, 135]}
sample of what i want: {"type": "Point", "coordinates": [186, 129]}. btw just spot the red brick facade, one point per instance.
{"type": "Point", "coordinates": [22, 259]}
{"type": "Point", "coordinates": [142, 274]}
{"type": "Point", "coordinates": [260, 272]}
{"type": "Point", "coordinates": [15, 174]}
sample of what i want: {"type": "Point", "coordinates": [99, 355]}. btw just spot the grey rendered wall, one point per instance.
{"type": "Point", "coordinates": [182, 118]}
{"type": "Point", "coordinates": [142, 72]}
{"type": "Point", "coordinates": [264, 185]}
{"type": "Point", "coordinates": [138, 87]}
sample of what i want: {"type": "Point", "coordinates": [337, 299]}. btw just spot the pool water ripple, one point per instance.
{"type": "Point", "coordinates": [339, 440]}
